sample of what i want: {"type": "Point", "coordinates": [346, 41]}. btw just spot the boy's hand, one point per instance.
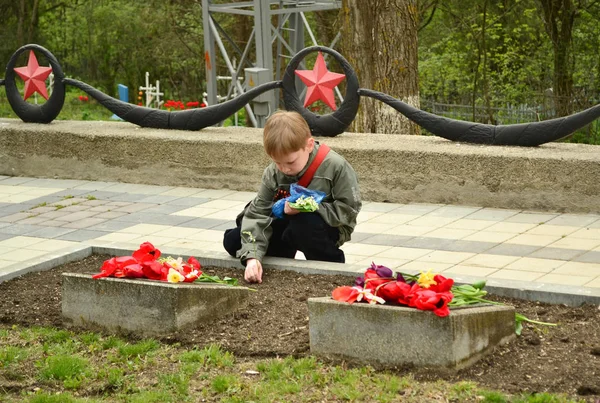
{"type": "Point", "coordinates": [254, 271]}
{"type": "Point", "coordinates": [290, 210]}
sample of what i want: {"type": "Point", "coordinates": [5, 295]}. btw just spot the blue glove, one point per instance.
{"type": "Point", "coordinates": [296, 191]}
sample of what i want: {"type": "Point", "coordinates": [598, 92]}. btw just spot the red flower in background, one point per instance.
{"type": "Point", "coordinates": [146, 253]}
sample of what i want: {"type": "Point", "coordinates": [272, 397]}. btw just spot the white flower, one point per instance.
{"type": "Point", "coordinates": [174, 276]}
{"type": "Point", "coordinates": [368, 296]}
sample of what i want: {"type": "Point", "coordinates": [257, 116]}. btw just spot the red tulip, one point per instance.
{"type": "Point", "coordinates": [146, 252]}
{"type": "Point", "coordinates": [345, 294]}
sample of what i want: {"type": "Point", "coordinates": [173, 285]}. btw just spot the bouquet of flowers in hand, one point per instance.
{"type": "Point", "coordinates": [146, 262]}
{"type": "Point", "coordinates": [305, 204]}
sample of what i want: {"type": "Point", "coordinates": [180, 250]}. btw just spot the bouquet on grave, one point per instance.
{"type": "Point", "coordinates": [146, 262]}
{"type": "Point", "coordinates": [300, 198]}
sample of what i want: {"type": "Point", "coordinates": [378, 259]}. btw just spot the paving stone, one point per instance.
{"type": "Point", "coordinates": [158, 199]}
{"type": "Point", "coordinates": [492, 214]}
{"type": "Point", "coordinates": [206, 223]}
{"type": "Point", "coordinates": [54, 223]}
{"type": "Point", "coordinates": [469, 246]}
{"type": "Point", "coordinates": [360, 236]}
{"type": "Point", "coordinates": [94, 203]}
{"type": "Point", "coordinates": [513, 250]}
{"type": "Point", "coordinates": [154, 218]}
{"type": "Point", "coordinates": [92, 186]}
{"type": "Point", "coordinates": [114, 204]}
{"type": "Point", "coordinates": [55, 183]}
{"type": "Point", "coordinates": [81, 235]}
{"type": "Point", "coordinates": [84, 223]}
{"type": "Point", "coordinates": [80, 215]}
{"type": "Point", "coordinates": [132, 208]}
{"type": "Point", "coordinates": [557, 253]}
{"type": "Point", "coordinates": [127, 197]}
{"type": "Point", "coordinates": [188, 201]}
{"type": "Point", "coordinates": [382, 239]}
{"type": "Point", "coordinates": [103, 195]}
{"type": "Point", "coordinates": [165, 209]}
{"type": "Point", "coordinates": [5, 236]}
{"type": "Point", "coordinates": [109, 215]}
{"type": "Point", "coordinates": [574, 220]}
{"type": "Point", "coordinates": [588, 257]}
{"type": "Point", "coordinates": [53, 215]}
{"type": "Point", "coordinates": [34, 220]}
{"type": "Point", "coordinates": [44, 199]}
{"type": "Point", "coordinates": [16, 180]}
{"type": "Point", "coordinates": [71, 192]}
{"type": "Point", "coordinates": [111, 226]}
{"type": "Point", "coordinates": [15, 217]}
{"type": "Point", "coordinates": [20, 229]}
{"type": "Point", "coordinates": [43, 209]}
{"type": "Point", "coordinates": [426, 243]}
{"type": "Point", "coordinates": [52, 232]}
{"type": "Point", "coordinates": [225, 226]}
{"type": "Point", "coordinates": [73, 209]}
{"type": "Point", "coordinates": [101, 209]}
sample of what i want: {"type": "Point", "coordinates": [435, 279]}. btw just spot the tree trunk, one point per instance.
{"type": "Point", "coordinates": [559, 16]}
{"type": "Point", "coordinates": [379, 39]}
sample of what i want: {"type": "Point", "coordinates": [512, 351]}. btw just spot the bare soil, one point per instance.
{"type": "Point", "coordinates": [562, 359]}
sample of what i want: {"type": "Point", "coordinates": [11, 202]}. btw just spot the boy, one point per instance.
{"type": "Point", "coordinates": [288, 141]}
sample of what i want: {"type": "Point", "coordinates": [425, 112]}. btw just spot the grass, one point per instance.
{"type": "Point", "coordinates": [64, 366]}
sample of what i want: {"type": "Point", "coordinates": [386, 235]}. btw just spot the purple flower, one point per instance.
{"type": "Point", "coordinates": [360, 281]}
{"type": "Point", "coordinates": [382, 271]}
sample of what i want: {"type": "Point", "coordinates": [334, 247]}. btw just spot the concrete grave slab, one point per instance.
{"type": "Point", "coordinates": [393, 336]}
{"type": "Point", "coordinates": [145, 307]}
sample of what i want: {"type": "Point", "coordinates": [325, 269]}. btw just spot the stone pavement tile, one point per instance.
{"type": "Point", "coordinates": [578, 269]}
{"type": "Point", "coordinates": [101, 209]}
{"type": "Point", "coordinates": [214, 193]}
{"type": "Point", "coordinates": [15, 208]}
{"type": "Point", "coordinates": [564, 279]}
{"type": "Point", "coordinates": [492, 214]}
{"type": "Point", "coordinates": [588, 257]}
{"type": "Point", "coordinates": [449, 233]}
{"type": "Point", "coordinates": [511, 227]}
{"type": "Point", "coordinates": [183, 192]}
{"type": "Point", "coordinates": [5, 263]}
{"type": "Point", "coordinates": [361, 236]}
{"type": "Point", "coordinates": [154, 218]}
{"type": "Point", "coordinates": [5, 236]}
{"type": "Point", "coordinates": [73, 209]}
{"type": "Point", "coordinates": [81, 235]}
{"type": "Point", "coordinates": [574, 220]}
{"type": "Point", "coordinates": [20, 229]}
{"type": "Point", "coordinates": [417, 209]}
{"type": "Point", "coordinates": [140, 189]}
{"type": "Point", "coordinates": [224, 215]}
{"type": "Point", "coordinates": [492, 261]}
{"type": "Point", "coordinates": [187, 202]}
{"type": "Point", "coordinates": [109, 226]}
{"type": "Point", "coordinates": [556, 253]}
{"type": "Point", "coordinates": [468, 246]}
{"type": "Point", "coordinates": [80, 215]}
{"type": "Point", "coordinates": [586, 233]}
{"type": "Point", "coordinates": [382, 239]}
{"type": "Point", "coordinates": [196, 212]}
{"type": "Point", "coordinates": [352, 259]}
{"type": "Point", "coordinates": [513, 250]}
{"type": "Point", "coordinates": [16, 180]}
{"type": "Point", "coordinates": [489, 236]}
{"type": "Point", "coordinates": [208, 235]}
{"type": "Point", "coordinates": [165, 209]}
{"type": "Point", "coordinates": [127, 197]}
{"type": "Point", "coordinates": [20, 242]}
{"type": "Point", "coordinates": [427, 243]}
{"type": "Point", "coordinates": [156, 240]}
{"type": "Point", "coordinates": [5, 249]}
{"type": "Point", "coordinates": [16, 198]}
{"type": "Point", "coordinates": [109, 215]}
{"type": "Point", "coordinates": [14, 217]}
{"type": "Point", "coordinates": [145, 229]}
{"type": "Point", "coordinates": [205, 223]}
{"type": "Point", "coordinates": [225, 226]}
{"type": "Point", "coordinates": [386, 261]}
{"type": "Point", "coordinates": [54, 223]}
{"type": "Point", "coordinates": [516, 275]}
{"type": "Point", "coordinates": [90, 186]}
{"type": "Point", "coordinates": [33, 220]}
{"type": "Point", "coordinates": [20, 255]}
{"type": "Point", "coordinates": [555, 230]}
{"type": "Point", "coordinates": [535, 240]}
{"type": "Point", "coordinates": [439, 256]}
{"type": "Point", "coordinates": [403, 253]}
{"type": "Point", "coordinates": [133, 208]}
{"type": "Point", "coordinates": [84, 223]}
{"type": "Point", "coordinates": [178, 232]}
{"type": "Point", "coordinates": [114, 204]}
{"type": "Point", "coordinates": [379, 207]}
{"type": "Point", "coordinates": [475, 271]}
{"type": "Point", "coordinates": [51, 245]}
{"type": "Point", "coordinates": [431, 221]}
{"type": "Point", "coordinates": [118, 237]}
{"type": "Point", "coordinates": [103, 195]}
{"type": "Point", "coordinates": [221, 204]}
{"type": "Point", "coordinates": [56, 183]}
{"type": "Point", "coordinates": [456, 212]}
{"type": "Point", "coordinates": [158, 199]}
{"type": "Point", "coordinates": [418, 266]}
{"type": "Point", "coordinates": [51, 232]}
{"type": "Point", "coordinates": [71, 192]}
{"type": "Point", "coordinates": [386, 218]}
{"type": "Point", "coordinates": [364, 216]}
{"type": "Point", "coordinates": [189, 244]}
{"type": "Point", "coordinates": [44, 199]}
{"type": "Point", "coordinates": [531, 217]}
{"type": "Point", "coordinates": [534, 264]}
{"type": "Point", "coordinates": [94, 202]}
{"type": "Point", "coordinates": [41, 210]}
{"type": "Point", "coordinates": [241, 196]}
{"type": "Point", "coordinates": [576, 243]}
{"type": "Point", "coordinates": [375, 228]}
{"type": "Point", "coordinates": [594, 283]}
{"type": "Point", "coordinates": [363, 249]}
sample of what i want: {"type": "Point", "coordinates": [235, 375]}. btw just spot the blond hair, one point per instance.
{"type": "Point", "coordinates": [285, 132]}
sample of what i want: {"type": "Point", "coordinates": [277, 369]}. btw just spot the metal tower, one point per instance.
{"type": "Point", "coordinates": [290, 18]}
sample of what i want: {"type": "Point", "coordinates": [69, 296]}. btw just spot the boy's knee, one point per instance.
{"type": "Point", "coordinates": [232, 241]}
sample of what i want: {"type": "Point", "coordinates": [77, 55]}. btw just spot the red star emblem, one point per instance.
{"type": "Point", "coordinates": [320, 83]}
{"type": "Point", "coordinates": [34, 77]}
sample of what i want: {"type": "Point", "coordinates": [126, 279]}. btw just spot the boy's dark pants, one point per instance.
{"type": "Point", "coordinates": [306, 232]}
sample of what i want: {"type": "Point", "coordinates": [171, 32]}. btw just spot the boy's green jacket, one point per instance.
{"type": "Point", "coordinates": [335, 177]}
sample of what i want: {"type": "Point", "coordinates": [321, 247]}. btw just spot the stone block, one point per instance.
{"type": "Point", "coordinates": [145, 307]}
{"type": "Point", "coordinates": [393, 336]}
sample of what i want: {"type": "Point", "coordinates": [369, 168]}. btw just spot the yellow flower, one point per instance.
{"type": "Point", "coordinates": [174, 276]}
{"type": "Point", "coordinates": [426, 279]}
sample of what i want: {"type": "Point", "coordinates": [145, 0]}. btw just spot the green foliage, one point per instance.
{"type": "Point", "coordinates": [212, 356]}
{"type": "Point", "coordinates": [53, 398]}
{"type": "Point", "coordinates": [138, 349]}
{"type": "Point", "coordinates": [11, 354]}
{"type": "Point", "coordinates": [64, 367]}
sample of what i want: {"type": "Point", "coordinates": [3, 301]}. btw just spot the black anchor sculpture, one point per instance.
{"type": "Point", "coordinates": [330, 125]}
